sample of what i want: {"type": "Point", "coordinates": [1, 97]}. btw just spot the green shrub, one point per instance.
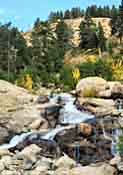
{"type": "Point", "coordinates": [4, 76]}
{"type": "Point", "coordinates": [98, 68]}
{"type": "Point", "coordinates": [66, 78]}
{"type": "Point", "coordinates": [120, 145]}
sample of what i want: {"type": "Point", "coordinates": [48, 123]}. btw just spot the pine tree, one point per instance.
{"type": "Point", "coordinates": [61, 15]}
{"type": "Point", "coordinates": [14, 54]}
{"type": "Point", "coordinates": [101, 38]}
{"type": "Point", "coordinates": [114, 12]}
{"type": "Point", "coordinates": [76, 12]}
{"type": "Point", "coordinates": [120, 22]}
{"type": "Point", "coordinates": [47, 52]}
{"type": "Point", "coordinates": [63, 36]}
{"type": "Point", "coordinates": [93, 11]}
{"type": "Point", "coordinates": [100, 11]}
{"type": "Point", "coordinates": [117, 23]}
{"type": "Point", "coordinates": [88, 37]}
{"type": "Point", "coordinates": [67, 14]}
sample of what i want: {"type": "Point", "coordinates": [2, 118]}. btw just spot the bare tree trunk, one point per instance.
{"type": "Point", "coordinates": [100, 52]}
{"type": "Point", "coordinates": [8, 60]}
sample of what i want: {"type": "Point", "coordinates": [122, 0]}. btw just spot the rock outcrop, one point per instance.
{"type": "Point", "coordinates": [74, 25]}
{"type": "Point", "coordinates": [90, 87]}
{"type": "Point", "coordinates": [99, 96]}
{"type": "Point", "coordinates": [99, 107]}
{"type": "Point", "coordinates": [100, 88]}
{"type": "Point", "coordinates": [18, 111]}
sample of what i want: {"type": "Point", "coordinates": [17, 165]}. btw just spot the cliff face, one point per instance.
{"type": "Point", "coordinates": [27, 36]}
{"type": "Point", "coordinates": [74, 25]}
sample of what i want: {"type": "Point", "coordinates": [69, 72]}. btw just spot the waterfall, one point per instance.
{"type": "Point", "coordinates": [20, 138]}
{"type": "Point", "coordinates": [15, 140]}
{"type": "Point", "coordinates": [104, 132]}
{"type": "Point", "coordinates": [52, 133]}
{"type": "Point", "coordinates": [69, 114]}
{"type": "Point", "coordinates": [77, 152]}
{"type": "Point", "coordinates": [116, 133]}
{"type": "Point", "coordinates": [119, 105]}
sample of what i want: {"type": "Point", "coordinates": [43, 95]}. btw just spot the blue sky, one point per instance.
{"type": "Point", "coordinates": [23, 13]}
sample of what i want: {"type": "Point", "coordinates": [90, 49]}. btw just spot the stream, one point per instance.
{"type": "Point", "coordinates": [69, 117]}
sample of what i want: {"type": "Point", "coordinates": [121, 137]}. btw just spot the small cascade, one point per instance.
{"type": "Point", "coordinates": [84, 142]}
{"type": "Point", "coordinates": [52, 133]}
{"type": "Point", "coordinates": [20, 138]}
{"type": "Point", "coordinates": [104, 132]}
{"type": "Point", "coordinates": [114, 138]}
{"type": "Point", "coordinates": [119, 105]}
{"type": "Point", "coordinates": [69, 114]}
{"type": "Point", "coordinates": [15, 140]}
{"type": "Point", "coordinates": [116, 134]}
{"type": "Point", "coordinates": [77, 152]}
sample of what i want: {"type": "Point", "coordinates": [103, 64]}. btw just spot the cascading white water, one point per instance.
{"type": "Point", "coordinates": [115, 141]}
{"type": "Point", "coordinates": [20, 138]}
{"type": "Point", "coordinates": [15, 140]}
{"type": "Point", "coordinates": [104, 132]}
{"type": "Point", "coordinates": [120, 105]}
{"type": "Point", "coordinates": [68, 115]}
{"type": "Point", "coordinates": [52, 133]}
{"type": "Point", "coordinates": [114, 138]}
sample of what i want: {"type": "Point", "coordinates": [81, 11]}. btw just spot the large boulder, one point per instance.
{"type": "Point", "coordinates": [85, 129]}
{"type": "Point", "coordinates": [97, 102]}
{"type": "Point", "coordinates": [18, 110]}
{"type": "Point", "coordinates": [91, 86]}
{"type": "Point", "coordinates": [115, 160]}
{"type": "Point", "coordinates": [96, 169]}
{"type": "Point", "coordinates": [40, 170]}
{"type": "Point", "coordinates": [31, 150]}
{"type": "Point", "coordinates": [13, 94]}
{"type": "Point", "coordinates": [64, 162]}
{"type": "Point", "coordinates": [62, 171]}
{"type": "Point", "coordinates": [98, 87]}
{"type": "Point", "coordinates": [4, 134]}
{"type": "Point", "coordinates": [98, 106]}
{"type": "Point", "coordinates": [116, 89]}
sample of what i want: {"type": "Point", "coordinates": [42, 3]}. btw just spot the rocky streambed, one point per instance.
{"type": "Point", "coordinates": [65, 134]}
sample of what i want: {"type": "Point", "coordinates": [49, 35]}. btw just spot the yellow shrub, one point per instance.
{"type": "Point", "coordinates": [118, 73]}
{"type": "Point", "coordinates": [92, 58]}
{"type": "Point", "coordinates": [117, 68]}
{"type": "Point", "coordinates": [76, 74]}
{"type": "Point", "coordinates": [26, 82]}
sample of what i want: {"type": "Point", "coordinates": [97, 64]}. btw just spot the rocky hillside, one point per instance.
{"type": "Point", "coordinates": [27, 37]}
{"type": "Point", "coordinates": [74, 25]}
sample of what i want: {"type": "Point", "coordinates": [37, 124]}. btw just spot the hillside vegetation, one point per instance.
{"type": "Point", "coordinates": [63, 49]}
